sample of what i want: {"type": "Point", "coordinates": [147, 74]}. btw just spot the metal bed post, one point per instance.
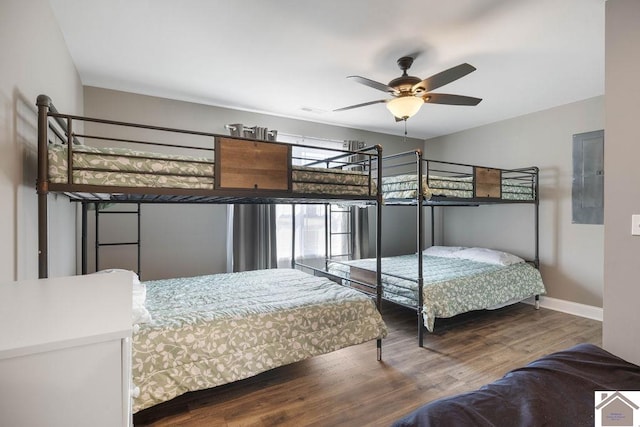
{"type": "Point", "coordinates": [419, 202]}
{"type": "Point", "coordinates": [379, 243]}
{"type": "Point", "coordinates": [536, 260]}
{"type": "Point", "coordinates": [85, 207]}
{"type": "Point", "coordinates": [537, 219]}
{"type": "Point", "coordinates": [139, 242]}
{"type": "Point", "coordinates": [293, 235]}
{"type": "Point", "coordinates": [327, 234]}
{"type": "Point", "coordinates": [42, 185]}
{"type": "Point", "coordinates": [433, 225]}
{"type": "Point", "coordinates": [96, 206]}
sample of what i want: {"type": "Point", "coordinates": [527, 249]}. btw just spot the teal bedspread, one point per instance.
{"type": "Point", "coordinates": [131, 168]}
{"type": "Point", "coordinates": [211, 330]}
{"type": "Point", "coordinates": [451, 285]}
{"type": "Point", "coordinates": [406, 187]}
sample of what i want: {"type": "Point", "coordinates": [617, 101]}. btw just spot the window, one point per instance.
{"type": "Point", "coordinates": [310, 219]}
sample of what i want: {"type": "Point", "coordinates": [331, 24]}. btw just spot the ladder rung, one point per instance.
{"type": "Point", "coordinates": [118, 212]}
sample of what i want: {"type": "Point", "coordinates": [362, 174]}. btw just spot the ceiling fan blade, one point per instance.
{"type": "Point", "coordinates": [379, 101]}
{"type": "Point", "coordinates": [372, 83]}
{"type": "Point", "coordinates": [444, 77]}
{"type": "Point", "coordinates": [445, 98]}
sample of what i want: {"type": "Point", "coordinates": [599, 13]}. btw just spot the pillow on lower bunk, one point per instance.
{"type": "Point", "coordinates": [140, 314]}
{"type": "Point", "coordinates": [442, 251]}
{"type": "Point", "coordinates": [489, 256]}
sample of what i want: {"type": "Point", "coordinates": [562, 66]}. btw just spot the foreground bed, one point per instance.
{"type": "Point", "coordinates": [211, 330]}
{"type": "Point", "coordinates": [451, 284]}
{"type": "Point", "coordinates": [555, 390]}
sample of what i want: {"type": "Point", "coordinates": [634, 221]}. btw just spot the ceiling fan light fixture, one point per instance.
{"type": "Point", "coordinates": [405, 107]}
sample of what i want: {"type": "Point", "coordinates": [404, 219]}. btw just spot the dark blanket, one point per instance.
{"type": "Point", "coordinates": [555, 390]}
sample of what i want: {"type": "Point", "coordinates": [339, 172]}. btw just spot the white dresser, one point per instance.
{"type": "Point", "coordinates": [65, 351]}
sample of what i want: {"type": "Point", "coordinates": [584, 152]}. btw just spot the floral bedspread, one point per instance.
{"type": "Point", "coordinates": [211, 330]}
{"type": "Point", "coordinates": [405, 187]}
{"type": "Point", "coordinates": [451, 285]}
{"type": "Point", "coordinates": [131, 168]}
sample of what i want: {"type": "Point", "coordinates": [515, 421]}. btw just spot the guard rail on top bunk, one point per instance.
{"type": "Point", "coordinates": [64, 130]}
{"type": "Point", "coordinates": [448, 184]}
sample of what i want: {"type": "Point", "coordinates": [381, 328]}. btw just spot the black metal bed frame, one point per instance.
{"type": "Point", "coordinates": [413, 162]}
{"type": "Point", "coordinates": [53, 125]}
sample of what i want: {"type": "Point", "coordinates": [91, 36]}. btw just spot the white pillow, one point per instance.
{"type": "Point", "coordinates": [489, 256]}
{"type": "Point", "coordinates": [140, 314]}
{"type": "Point", "coordinates": [442, 251]}
{"type": "Point", "coordinates": [139, 311]}
{"type": "Point", "coordinates": [136, 279]}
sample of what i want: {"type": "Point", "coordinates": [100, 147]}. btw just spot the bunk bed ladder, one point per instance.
{"type": "Point", "coordinates": [99, 210]}
{"type": "Point", "coordinates": [347, 232]}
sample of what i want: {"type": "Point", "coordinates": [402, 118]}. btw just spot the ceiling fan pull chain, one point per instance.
{"type": "Point", "coordinates": [404, 140]}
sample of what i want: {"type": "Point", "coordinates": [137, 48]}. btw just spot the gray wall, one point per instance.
{"type": "Point", "coordinates": [571, 255]}
{"type": "Point", "coordinates": [191, 239]}
{"type": "Point", "coordinates": [622, 182]}
{"type": "Point", "coordinates": [35, 60]}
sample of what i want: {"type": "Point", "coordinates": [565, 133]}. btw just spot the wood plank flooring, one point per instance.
{"type": "Point", "coordinates": [350, 387]}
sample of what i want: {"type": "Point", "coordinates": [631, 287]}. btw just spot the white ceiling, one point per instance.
{"type": "Point", "coordinates": [291, 57]}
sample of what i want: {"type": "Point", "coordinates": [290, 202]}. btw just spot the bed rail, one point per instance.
{"type": "Point", "coordinates": [451, 183]}
{"type": "Point", "coordinates": [97, 139]}
{"type": "Point", "coordinates": [190, 166]}
{"type": "Point", "coordinates": [411, 180]}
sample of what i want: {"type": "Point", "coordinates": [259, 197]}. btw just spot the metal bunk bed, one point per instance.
{"type": "Point", "coordinates": [411, 180]}
{"type": "Point", "coordinates": [231, 170]}
{"type": "Point", "coordinates": [265, 175]}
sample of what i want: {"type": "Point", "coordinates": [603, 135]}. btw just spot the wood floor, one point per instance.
{"type": "Point", "coordinates": [350, 387]}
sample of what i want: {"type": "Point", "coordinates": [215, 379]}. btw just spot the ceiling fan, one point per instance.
{"type": "Point", "coordinates": [409, 92]}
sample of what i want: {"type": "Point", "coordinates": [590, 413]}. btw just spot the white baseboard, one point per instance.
{"type": "Point", "coordinates": [569, 307]}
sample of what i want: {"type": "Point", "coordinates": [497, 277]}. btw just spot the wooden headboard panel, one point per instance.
{"type": "Point", "coordinates": [487, 182]}
{"type": "Point", "coordinates": [252, 165]}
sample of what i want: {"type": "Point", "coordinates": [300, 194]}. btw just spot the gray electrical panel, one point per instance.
{"type": "Point", "coordinates": [587, 192]}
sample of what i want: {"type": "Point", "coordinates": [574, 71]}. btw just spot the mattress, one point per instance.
{"type": "Point", "coordinates": [406, 187]}
{"type": "Point", "coordinates": [556, 390]}
{"type": "Point", "coordinates": [451, 286]}
{"type": "Point", "coordinates": [130, 168]}
{"type": "Point", "coordinates": [210, 330]}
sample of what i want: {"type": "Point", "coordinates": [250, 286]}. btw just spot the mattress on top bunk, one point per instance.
{"type": "Point", "coordinates": [451, 286]}
{"type": "Point", "coordinates": [131, 168]}
{"type": "Point", "coordinates": [211, 330]}
{"type": "Point", "coordinates": [555, 390]}
{"type": "Point", "coordinates": [406, 187]}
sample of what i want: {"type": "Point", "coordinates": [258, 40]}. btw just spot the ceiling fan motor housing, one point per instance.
{"type": "Point", "coordinates": [404, 83]}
